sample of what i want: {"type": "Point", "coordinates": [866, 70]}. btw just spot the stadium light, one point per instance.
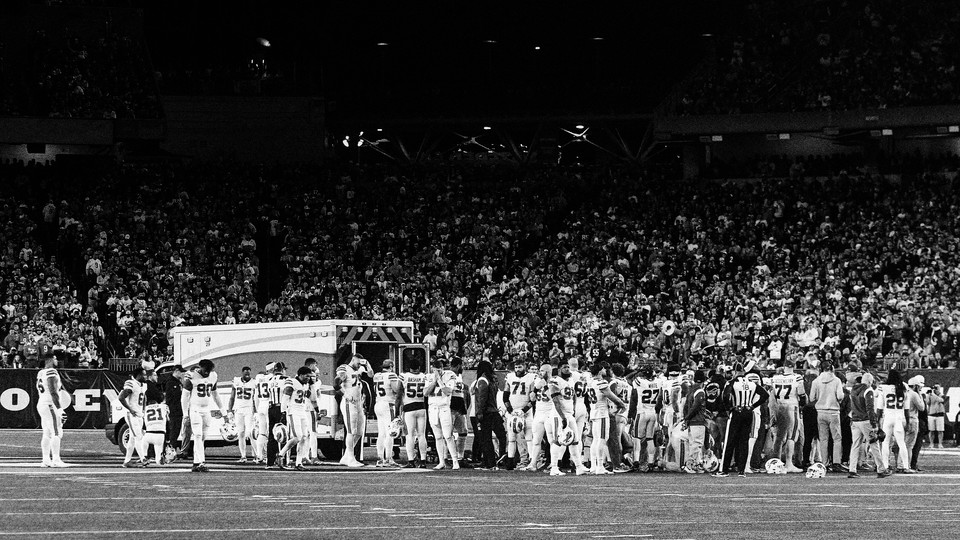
{"type": "Point", "coordinates": [537, 48]}
{"type": "Point", "coordinates": [598, 38]}
{"type": "Point", "coordinates": [382, 44]}
{"type": "Point", "coordinates": [579, 126]}
{"type": "Point", "coordinates": [263, 42]}
{"type": "Point", "coordinates": [379, 130]}
{"type": "Point", "coordinates": [490, 41]}
{"type": "Point", "coordinates": [487, 128]}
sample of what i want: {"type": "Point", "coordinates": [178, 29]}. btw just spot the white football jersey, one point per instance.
{"type": "Point", "coordinates": [647, 394]}
{"type": "Point", "coordinates": [245, 391]}
{"type": "Point", "coordinates": [567, 394]}
{"type": "Point", "coordinates": [155, 417]}
{"type": "Point", "coordinates": [44, 395]}
{"type": "Point", "coordinates": [137, 394]}
{"type": "Point", "coordinates": [599, 404]}
{"type": "Point", "coordinates": [299, 397]}
{"type": "Point", "coordinates": [520, 388]}
{"type": "Point", "coordinates": [201, 395]}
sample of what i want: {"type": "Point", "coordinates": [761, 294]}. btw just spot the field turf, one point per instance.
{"type": "Point", "coordinates": [95, 498]}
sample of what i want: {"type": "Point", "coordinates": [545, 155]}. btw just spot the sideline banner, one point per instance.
{"type": "Point", "coordinates": [92, 392]}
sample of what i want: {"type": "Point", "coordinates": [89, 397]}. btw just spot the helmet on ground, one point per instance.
{"type": "Point", "coordinates": [280, 433]}
{"type": "Point", "coordinates": [710, 463]}
{"type": "Point", "coordinates": [817, 470]}
{"type": "Point", "coordinates": [229, 431]}
{"type": "Point", "coordinates": [517, 423]}
{"type": "Point", "coordinates": [565, 436]}
{"type": "Point", "coordinates": [775, 466]}
{"type": "Point", "coordinates": [396, 428]}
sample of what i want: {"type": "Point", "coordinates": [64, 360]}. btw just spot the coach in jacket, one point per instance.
{"type": "Point", "coordinates": [826, 394]}
{"type": "Point", "coordinates": [489, 420]}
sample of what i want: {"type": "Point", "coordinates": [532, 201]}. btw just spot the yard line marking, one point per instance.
{"type": "Point", "coordinates": [581, 532]}
{"type": "Point", "coordinates": [625, 536]}
{"type": "Point", "coordinates": [463, 519]}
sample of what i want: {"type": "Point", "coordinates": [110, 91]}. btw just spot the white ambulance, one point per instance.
{"type": "Point", "coordinates": [330, 342]}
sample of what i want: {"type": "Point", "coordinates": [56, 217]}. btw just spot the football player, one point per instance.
{"type": "Point", "coordinates": [644, 412]}
{"type": "Point", "coordinates": [155, 416]}
{"type": "Point", "coordinates": [296, 393]}
{"type": "Point", "coordinates": [276, 409]}
{"type": "Point", "coordinates": [620, 443]}
{"type": "Point", "coordinates": [242, 406]}
{"type": "Point", "coordinates": [261, 414]}
{"type": "Point", "coordinates": [543, 405]}
{"type": "Point", "coordinates": [601, 397]}
{"type": "Point", "coordinates": [459, 402]}
{"type": "Point", "coordinates": [50, 408]}
{"type": "Point", "coordinates": [351, 406]}
{"type": "Point", "coordinates": [132, 399]}
{"type": "Point", "coordinates": [579, 380]}
{"type": "Point", "coordinates": [790, 395]}
{"type": "Point", "coordinates": [315, 389]}
{"type": "Point", "coordinates": [893, 398]}
{"type": "Point", "coordinates": [518, 388]}
{"type": "Point", "coordinates": [387, 389]}
{"type": "Point", "coordinates": [414, 413]}
{"type": "Point", "coordinates": [564, 399]}
{"type": "Point", "coordinates": [203, 404]}
{"type": "Point", "coordinates": [439, 386]}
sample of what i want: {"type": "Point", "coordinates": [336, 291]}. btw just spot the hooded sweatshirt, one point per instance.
{"type": "Point", "coordinates": [827, 392]}
{"type": "Point", "coordinates": [861, 404]}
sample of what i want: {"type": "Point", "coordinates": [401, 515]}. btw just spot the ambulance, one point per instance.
{"type": "Point", "coordinates": [330, 342]}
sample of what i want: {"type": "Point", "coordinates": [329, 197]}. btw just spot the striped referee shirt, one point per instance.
{"type": "Point", "coordinates": [275, 387]}
{"type": "Point", "coordinates": [746, 394]}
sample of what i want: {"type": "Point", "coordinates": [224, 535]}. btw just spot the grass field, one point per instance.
{"type": "Point", "coordinates": [95, 498]}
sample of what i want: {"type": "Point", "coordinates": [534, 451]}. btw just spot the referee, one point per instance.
{"type": "Point", "coordinates": [742, 396]}
{"type": "Point", "coordinates": [274, 414]}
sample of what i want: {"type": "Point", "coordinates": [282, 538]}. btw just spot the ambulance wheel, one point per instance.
{"type": "Point", "coordinates": [330, 448]}
{"type": "Point", "coordinates": [123, 438]}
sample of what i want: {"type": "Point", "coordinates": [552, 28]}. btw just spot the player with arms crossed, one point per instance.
{"type": "Point", "coordinates": [439, 387]}
{"type": "Point", "coordinates": [296, 393]}
{"type": "Point", "coordinates": [788, 389]}
{"type": "Point", "coordinates": [387, 389]}
{"type": "Point", "coordinates": [351, 406]}
{"type": "Point", "coordinates": [645, 402]}
{"type": "Point", "coordinates": [563, 397]}
{"type": "Point", "coordinates": [243, 407]}
{"type": "Point", "coordinates": [132, 399]}
{"type": "Point", "coordinates": [203, 402]}
{"type": "Point", "coordinates": [50, 405]}
{"type": "Point", "coordinates": [518, 389]}
{"type": "Point", "coordinates": [415, 413]}
{"type": "Point", "coordinates": [600, 396]}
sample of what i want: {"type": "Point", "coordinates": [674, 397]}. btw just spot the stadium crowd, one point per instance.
{"type": "Point", "coordinates": [860, 54]}
{"type": "Point", "coordinates": [493, 263]}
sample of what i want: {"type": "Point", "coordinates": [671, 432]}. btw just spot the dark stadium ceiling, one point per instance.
{"type": "Point", "coordinates": [448, 58]}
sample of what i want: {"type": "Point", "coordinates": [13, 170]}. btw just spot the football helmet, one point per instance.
{"type": "Point", "coordinates": [710, 463]}
{"type": "Point", "coordinates": [517, 423]}
{"type": "Point", "coordinates": [396, 428]}
{"type": "Point", "coordinates": [280, 433]}
{"type": "Point", "coordinates": [565, 436]}
{"type": "Point", "coordinates": [775, 466]}
{"type": "Point", "coordinates": [229, 431]}
{"type": "Point", "coordinates": [817, 470]}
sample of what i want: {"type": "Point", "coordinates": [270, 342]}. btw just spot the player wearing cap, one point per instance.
{"type": "Point", "coordinates": [348, 382]}
{"type": "Point", "coordinates": [916, 411]}
{"type": "Point", "coordinates": [296, 394]}
{"type": "Point", "coordinates": [826, 393]}
{"type": "Point", "coordinates": [242, 406]}
{"type": "Point", "coordinates": [50, 407]}
{"type": "Point", "coordinates": [132, 399]}
{"type": "Point", "coordinates": [518, 388]}
{"type": "Point", "coordinates": [935, 415]}
{"type": "Point", "coordinates": [414, 412]}
{"type": "Point", "coordinates": [387, 389]}
{"type": "Point", "coordinates": [790, 395]}
{"type": "Point", "coordinates": [601, 398]}
{"type": "Point", "coordinates": [439, 386]}
{"type": "Point", "coordinates": [204, 404]}
{"type": "Point", "coordinates": [643, 410]}
{"type": "Point", "coordinates": [564, 399]}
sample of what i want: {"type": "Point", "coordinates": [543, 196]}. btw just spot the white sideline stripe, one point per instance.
{"type": "Point", "coordinates": [251, 529]}
{"type": "Point", "coordinates": [625, 536]}
{"type": "Point", "coordinates": [581, 532]}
